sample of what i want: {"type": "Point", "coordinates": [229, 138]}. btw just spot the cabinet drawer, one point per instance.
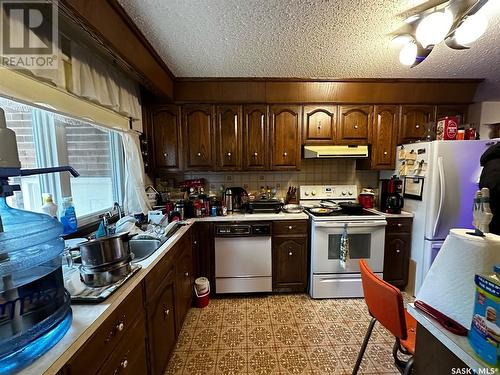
{"type": "Point", "coordinates": [290, 227]}
{"type": "Point", "coordinates": [130, 356]}
{"type": "Point", "coordinates": [107, 337]}
{"type": "Point", "coordinates": [398, 226]}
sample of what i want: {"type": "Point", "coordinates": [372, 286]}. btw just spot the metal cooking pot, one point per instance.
{"type": "Point", "coordinates": [105, 250]}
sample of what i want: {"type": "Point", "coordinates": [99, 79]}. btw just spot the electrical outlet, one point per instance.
{"type": "Point", "coordinates": [261, 178]}
{"type": "Point", "coordinates": [278, 186]}
{"type": "Point", "coordinates": [245, 186]}
{"type": "Point", "coordinates": [229, 178]}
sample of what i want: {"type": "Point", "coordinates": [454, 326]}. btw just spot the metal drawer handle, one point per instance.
{"type": "Point", "coordinates": [400, 225]}
{"type": "Point", "coordinates": [285, 154]}
{"type": "Point", "coordinates": [198, 154]}
{"type": "Point", "coordinates": [124, 363]}
{"type": "Point", "coordinates": [166, 312]}
{"type": "Point", "coordinates": [290, 227]}
{"type": "Point", "coordinates": [290, 253]}
{"type": "Point", "coordinates": [385, 152]}
{"type": "Point", "coordinates": [255, 154]}
{"type": "Point", "coordinates": [228, 154]}
{"type": "Point", "coordinates": [186, 274]}
{"type": "Point", "coordinates": [120, 326]}
{"type": "Point", "coordinates": [417, 126]}
{"type": "Point", "coordinates": [355, 126]}
{"type": "Point", "coordinates": [195, 242]}
{"type": "Point", "coordinates": [165, 154]}
{"type": "Point", "coordinates": [398, 251]}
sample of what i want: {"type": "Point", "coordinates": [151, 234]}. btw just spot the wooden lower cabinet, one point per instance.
{"type": "Point", "coordinates": [397, 251]}
{"type": "Point", "coordinates": [289, 256]}
{"type": "Point", "coordinates": [161, 325]}
{"type": "Point", "coordinates": [183, 282]}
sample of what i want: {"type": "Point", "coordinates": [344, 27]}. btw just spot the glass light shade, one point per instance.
{"type": "Point", "coordinates": [408, 54]}
{"type": "Point", "coordinates": [471, 29]}
{"type": "Point", "coordinates": [434, 28]}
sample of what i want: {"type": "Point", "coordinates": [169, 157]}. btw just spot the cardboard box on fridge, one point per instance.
{"type": "Point", "coordinates": [447, 128]}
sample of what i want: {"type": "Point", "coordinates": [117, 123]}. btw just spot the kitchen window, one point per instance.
{"type": "Point", "coordinates": [47, 139]}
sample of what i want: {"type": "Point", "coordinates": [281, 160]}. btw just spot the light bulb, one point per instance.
{"type": "Point", "coordinates": [471, 29]}
{"type": "Point", "coordinates": [408, 54]}
{"type": "Point", "coordinates": [434, 28]}
{"type": "Point", "coordinates": [401, 39]}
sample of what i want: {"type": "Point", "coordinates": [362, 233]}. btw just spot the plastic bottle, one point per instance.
{"type": "Point", "coordinates": [49, 207]}
{"type": "Point", "coordinates": [68, 216]}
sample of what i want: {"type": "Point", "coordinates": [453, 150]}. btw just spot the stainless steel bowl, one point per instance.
{"type": "Point", "coordinates": [105, 250]}
{"type": "Point", "coordinates": [293, 208]}
{"type": "Point", "coordinates": [100, 277]}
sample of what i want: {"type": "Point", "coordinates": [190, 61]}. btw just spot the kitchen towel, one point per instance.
{"type": "Point", "coordinates": [449, 285]}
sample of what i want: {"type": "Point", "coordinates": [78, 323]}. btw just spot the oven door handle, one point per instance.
{"type": "Point", "coordinates": [358, 224]}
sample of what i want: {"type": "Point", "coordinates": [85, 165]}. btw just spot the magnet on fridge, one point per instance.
{"type": "Point", "coordinates": [403, 169]}
{"type": "Point", "coordinates": [410, 161]}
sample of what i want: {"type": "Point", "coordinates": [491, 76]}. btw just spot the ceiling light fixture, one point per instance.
{"type": "Point", "coordinates": [434, 28]}
{"type": "Point", "coordinates": [471, 29]}
{"type": "Point", "coordinates": [408, 54]}
{"type": "Point", "coordinates": [458, 23]}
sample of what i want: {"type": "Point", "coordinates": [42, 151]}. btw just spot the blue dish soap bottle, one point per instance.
{"type": "Point", "coordinates": [68, 216]}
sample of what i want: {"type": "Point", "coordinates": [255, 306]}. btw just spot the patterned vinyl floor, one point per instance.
{"type": "Point", "coordinates": [280, 334]}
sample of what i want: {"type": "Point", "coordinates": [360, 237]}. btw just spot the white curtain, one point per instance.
{"type": "Point", "coordinates": [98, 81]}
{"type": "Point", "coordinates": [135, 199]}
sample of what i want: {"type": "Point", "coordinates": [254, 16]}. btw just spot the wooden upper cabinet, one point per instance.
{"type": "Point", "coordinates": [385, 131]}
{"type": "Point", "coordinates": [166, 129]}
{"type": "Point", "coordinates": [285, 136]}
{"type": "Point", "coordinates": [228, 132]}
{"type": "Point", "coordinates": [460, 110]}
{"type": "Point", "coordinates": [197, 122]}
{"type": "Point", "coordinates": [414, 119]}
{"type": "Point", "coordinates": [320, 123]}
{"type": "Point", "coordinates": [255, 137]}
{"type": "Point", "coordinates": [355, 124]}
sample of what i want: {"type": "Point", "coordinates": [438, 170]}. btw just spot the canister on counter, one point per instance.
{"type": "Point", "coordinates": [484, 335]}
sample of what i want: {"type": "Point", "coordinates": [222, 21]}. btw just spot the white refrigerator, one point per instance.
{"type": "Point", "coordinates": [440, 195]}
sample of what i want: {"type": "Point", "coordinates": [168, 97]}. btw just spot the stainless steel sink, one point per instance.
{"type": "Point", "coordinates": [143, 248]}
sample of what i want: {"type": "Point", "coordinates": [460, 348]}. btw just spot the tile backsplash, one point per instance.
{"type": "Point", "coordinates": [313, 172]}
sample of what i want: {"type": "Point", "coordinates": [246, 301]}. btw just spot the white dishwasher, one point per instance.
{"type": "Point", "coordinates": [243, 260]}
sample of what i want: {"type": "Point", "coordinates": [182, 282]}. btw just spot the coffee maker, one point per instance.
{"type": "Point", "coordinates": [239, 199]}
{"type": "Point", "coordinates": [391, 199]}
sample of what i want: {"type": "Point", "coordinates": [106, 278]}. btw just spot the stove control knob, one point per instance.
{"type": "Point", "coordinates": [344, 193]}
{"type": "Point", "coordinates": [313, 193]}
{"type": "Point", "coordinates": [306, 193]}
{"type": "Point", "coordinates": [350, 192]}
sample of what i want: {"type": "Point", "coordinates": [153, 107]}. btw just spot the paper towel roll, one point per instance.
{"type": "Point", "coordinates": [449, 285]}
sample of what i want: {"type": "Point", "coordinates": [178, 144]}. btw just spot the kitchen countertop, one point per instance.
{"type": "Point", "coordinates": [403, 214]}
{"type": "Point", "coordinates": [88, 317]}
{"type": "Point", "coordinates": [255, 217]}
{"type": "Point", "coordinates": [458, 345]}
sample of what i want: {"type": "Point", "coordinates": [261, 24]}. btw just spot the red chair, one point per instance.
{"type": "Point", "coordinates": [385, 304]}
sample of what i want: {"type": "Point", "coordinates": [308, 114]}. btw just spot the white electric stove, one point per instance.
{"type": "Point", "coordinates": [366, 233]}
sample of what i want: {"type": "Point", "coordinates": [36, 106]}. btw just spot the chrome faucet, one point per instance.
{"type": "Point", "coordinates": [118, 209]}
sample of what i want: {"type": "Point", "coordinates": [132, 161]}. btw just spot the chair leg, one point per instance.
{"type": "Point", "coordinates": [408, 367]}
{"type": "Point", "coordinates": [363, 346]}
{"type": "Point", "coordinates": [398, 362]}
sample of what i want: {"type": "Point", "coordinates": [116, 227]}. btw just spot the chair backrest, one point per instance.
{"type": "Point", "coordinates": [384, 301]}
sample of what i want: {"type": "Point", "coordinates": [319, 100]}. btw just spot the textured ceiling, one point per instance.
{"type": "Point", "coordinates": [303, 38]}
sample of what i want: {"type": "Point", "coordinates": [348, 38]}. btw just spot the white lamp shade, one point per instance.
{"type": "Point", "coordinates": [434, 28]}
{"type": "Point", "coordinates": [471, 29]}
{"type": "Point", "coordinates": [408, 54]}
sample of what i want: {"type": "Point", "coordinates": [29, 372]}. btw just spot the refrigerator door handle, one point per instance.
{"type": "Point", "coordinates": [442, 184]}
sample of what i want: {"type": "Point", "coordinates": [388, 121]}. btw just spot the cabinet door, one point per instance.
{"type": "Point", "coordinates": [165, 123]}
{"type": "Point", "coordinates": [228, 137]}
{"type": "Point", "coordinates": [198, 137]}
{"type": "Point", "coordinates": [285, 136]}
{"type": "Point", "coordinates": [460, 110]}
{"type": "Point", "coordinates": [355, 124]}
{"type": "Point", "coordinates": [319, 124]}
{"type": "Point", "coordinates": [161, 325]}
{"type": "Point", "coordinates": [255, 138]}
{"type": "Point", "coordinates": [290, 264]}
{"type": "Point", "coordinates": [385, 130]}
{"type": "Point", "coordinates": [413, 122]}
{"type": "Point", "coordinates": [183, 283]}
{"type": "Point", "coordinates": [396, 258]}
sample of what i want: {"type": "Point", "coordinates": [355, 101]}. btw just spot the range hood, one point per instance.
{"type": "Point", "coordinates": [311, 152]}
